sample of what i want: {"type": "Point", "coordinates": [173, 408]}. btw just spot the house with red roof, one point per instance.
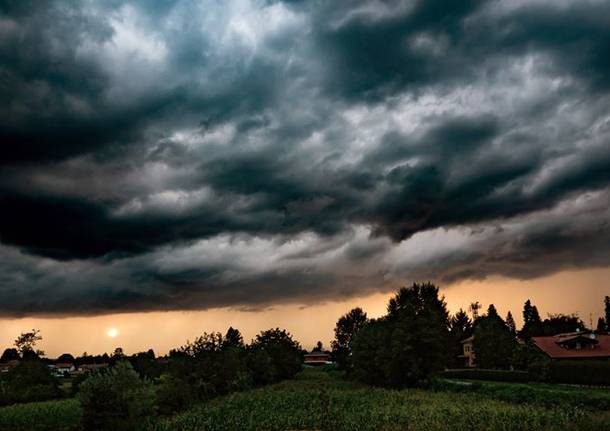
{"type": "Point", "coordinates": [317, 358]}
{"type": "Point", "coordinates": [575, 345]}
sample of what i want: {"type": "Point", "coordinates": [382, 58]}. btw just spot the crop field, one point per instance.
{"type": "Point", "coordinates": [318, 401]}
{"type": "Point", "coordinates": [321, 401]}
{"type": "Point", "coordinates": [61, 415]}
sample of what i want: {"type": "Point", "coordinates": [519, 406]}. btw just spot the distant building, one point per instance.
{"type": "Point", "coordinates": [468, 351]}
{"type": "Point", "coordinates": [5, 367]}
{"type": "Point", "coordinates": [83, 368]}
{"type": "Point", "coordinates": [61, 369]}
{"type": "Point", "coordinates": [575, 345]}
{"type": "Point", "coordinates": [317, 358]}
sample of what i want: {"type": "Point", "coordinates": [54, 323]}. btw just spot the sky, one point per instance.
{"type": "Point", "coordinates": [178, 166]}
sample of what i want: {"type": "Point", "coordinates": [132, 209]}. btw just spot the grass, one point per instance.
{"type": "Point", "coordinates": [60, 415]}
{"type": "Point", "coordinates": [319, 400]}
{"type": "Point", "coordinates": [546, 395]}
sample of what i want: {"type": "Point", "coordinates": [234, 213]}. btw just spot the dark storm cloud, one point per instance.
{"type": "Point", "coordinates": [313, 142]}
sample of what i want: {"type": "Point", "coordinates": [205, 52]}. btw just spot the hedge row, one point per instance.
{"type": "Point", "coordinates": [595, 373]}
{"type": "Point", "coordinates": [483, 374]}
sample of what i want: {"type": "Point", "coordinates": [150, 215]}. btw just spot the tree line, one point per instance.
{"type": "Point", "coordinates": [139, 386]}
{"type": "Point", "coordinates": [418, 338]}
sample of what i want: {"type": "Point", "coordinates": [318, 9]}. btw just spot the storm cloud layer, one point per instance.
{"type": "Point", "coordinates": [190, 154]}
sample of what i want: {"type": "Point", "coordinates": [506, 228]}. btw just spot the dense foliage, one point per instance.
{"type": "Point", "coordinates": [58, 415]}
{"type": "Point", "coordinates": [409, 344]}
{"type": "Point", "coordinates": [29, 381]}
{"type": "Point", "coordinates": [494, 342]}
{"type": "Point", "coordinates": [492, 375]}
{"type": "Point", "coordinates": [460, 328]}
{"type": "Point", "coordinates": [580, 372]}
{"type": "Point", "coordinates": [320, 400]}
{"type": "Point", "coordinates": [346, 329]}
{"type": "Point", "coordinates": [116, 399]}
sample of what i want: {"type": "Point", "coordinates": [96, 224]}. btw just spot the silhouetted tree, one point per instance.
{"type": "Point", "coordinates": [532, 324]}
{"type": "Point", "coordinates": [10, 354]}
{"type": "Point", "coordinates": [493, 343]}
{"type": "Point", "coordinates": [607, 311]}
{"type": "Point", "coordinates": [601, 326]}
{"type": "Point", "coordinates": [145, 364]}
{"type": "Point", "coordinates": [409, 344]}
{"type": "Point", "coordinates": [29, 381]}
{"type": "Point", "coordinates": [65, 358]}
{"type": "Point", "coordinates": [26, 342]}
{"type": "Point", "coordinates": [561, 323]}
{"type": "Point", "coordinates": [118, 354]}
{"type": "Point", "coordinates": [319, 347]}
{"type": "Point", "coordinates": [460, 327]}
{"type": "Point", "coordinates": [233, 339]}
{"type": "Point", "coordinates": [116, 400]}
{"type": "Point", "coordinates": [510, 322]}
{"type": "Point", "coordinates": [346, 328]}
{"type": "Point", "coordinates": [474, 309]}
{"type": "Point", "coordinates": [285, 353]}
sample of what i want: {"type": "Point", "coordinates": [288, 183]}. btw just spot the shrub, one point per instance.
{"type": "Point", "coordinates": [28, 382]}
{"type": "Point", "coordinates": [173, 394]}
{"type": "Point", "coordinates": [482, 374]}
{"type": "Point", "coordinates": [580, 372]}
{"type": "Point", "coordinates": [116, 399]}
{"type": "Point", "coordinates": [284, 353]}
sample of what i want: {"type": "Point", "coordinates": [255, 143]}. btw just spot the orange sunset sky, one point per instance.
{"type": "Point", "coordinates": [566, 292]}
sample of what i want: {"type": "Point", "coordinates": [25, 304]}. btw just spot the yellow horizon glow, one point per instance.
{"type": "Point", "coordinates": [567, 292]}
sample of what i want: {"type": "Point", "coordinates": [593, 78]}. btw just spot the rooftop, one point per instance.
{"type": "Point", "coordinates": [598, 346]}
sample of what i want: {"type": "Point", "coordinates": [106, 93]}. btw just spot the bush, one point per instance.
{"type": "Point", "coordinates": [580, 372]}
{"type": "Point", "coordinates": [60, 415]}
{"type": "Point", "coordinates": [482, 374]}
{"type": "Point", "coordinates": [116, 399]}
{"type": "Point", "coordinates": [30, 381]}
{"type": "Point", "coordinates": [283, 353]}
{"type": "Point", "coordinates": [173, 394]}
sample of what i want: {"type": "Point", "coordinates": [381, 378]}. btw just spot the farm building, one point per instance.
{"type": "Point", "coordinates": [62, 369]}
{"type": "Point", "coordinates": [317, 358]}
{"type": "Point", "coordinates": [575, 345]}
{"type": "Point", "coordinates": [468, 351]}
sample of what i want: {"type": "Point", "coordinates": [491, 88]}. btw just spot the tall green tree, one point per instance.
{"type": "Point", "coordinates": [510, 322]}
{"type": "Point", "coordinates": [285, 353]}
{"type": "Point", "coordinates": [233, 339]}
{"type": "Point", "coordinates": [532, 324]}
{"type": "Point", "coordinates": [409, 344]}
{"type": "Point", "coordinates": [460, 327]}
{"type": "Point", "coordinates": [493, 343]}
{"type": "Point", "coordinates": [26, 343]}
{"type": "Point", "coordinates": [10, 354]}
{"type": "Point", "coordinates": [561, 323]}
{"type": "Point", "coordinates": [474, 309]}
{"type": "Point", "coordinates": [346, 328]}
{"type": "Point", "coordinates": [607, 311]}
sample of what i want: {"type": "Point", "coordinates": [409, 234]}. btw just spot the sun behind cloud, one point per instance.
{"type": "Point", "coordinates": [112, 332]}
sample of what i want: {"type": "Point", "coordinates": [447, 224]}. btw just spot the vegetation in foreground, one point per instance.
{"type": "Point", "coordinates": [323, 400]}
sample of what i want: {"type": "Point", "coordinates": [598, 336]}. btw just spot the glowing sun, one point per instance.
{"type": "Point", "coordinates": [112, 332]}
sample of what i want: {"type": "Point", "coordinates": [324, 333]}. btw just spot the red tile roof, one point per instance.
{"type": "Point", "coordinates": [552, 346]}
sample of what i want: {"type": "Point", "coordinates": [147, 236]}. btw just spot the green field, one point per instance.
{"type": "Point", "coordinates": [321, 400]}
